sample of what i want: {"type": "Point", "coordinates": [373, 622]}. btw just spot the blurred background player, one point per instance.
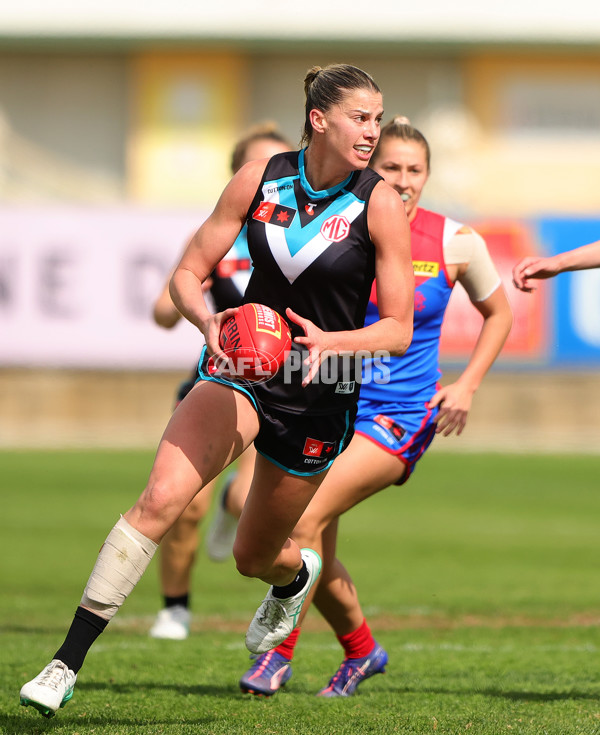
{"type": "Point", "coordinates": [532, 268]}
{"type": "Point", "coordinates": [179, 546]}
{"type": "Point", "coordinates": [398, 418]}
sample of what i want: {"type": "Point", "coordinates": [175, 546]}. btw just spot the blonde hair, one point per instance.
{"type": "Point", "coordinates": [400, 127]}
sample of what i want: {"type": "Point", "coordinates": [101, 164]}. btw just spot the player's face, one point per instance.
{"type": "Point", "coordinates": [263, 149]}
{"type": "Point", "coordinates": [353, 126]}
{"type": "Point", "coordinates": [403, 165]}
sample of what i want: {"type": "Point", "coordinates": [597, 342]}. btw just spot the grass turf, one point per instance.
{"type": "Point", "coordinates": [479, 578]}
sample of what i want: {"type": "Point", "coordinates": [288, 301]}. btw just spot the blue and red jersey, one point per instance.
{"type": "Point", "coordinates": [414, 376]}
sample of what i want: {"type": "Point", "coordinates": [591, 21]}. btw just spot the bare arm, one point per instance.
{"type": "Point", "coordinates": [164, 312]}
{"type": "Point", "coordinates": [207, 247]}
{"type": "Point", "coordinates": [455, 399]}
{"type": "Point", "coordinates": [531, 267]}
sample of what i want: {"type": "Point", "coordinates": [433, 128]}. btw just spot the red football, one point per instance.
{"type": "Point", "coordinates": [256, 341]}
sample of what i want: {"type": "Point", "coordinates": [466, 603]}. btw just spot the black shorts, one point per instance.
{"type": "Point", "coordinates": [301, 444]}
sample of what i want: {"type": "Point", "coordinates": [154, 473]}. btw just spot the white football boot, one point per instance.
{"type": "Point", "coordinates": [50, 690]}
{"type": "Point", "coordinates": [172, 623]}
{"type": "Point", "coordinates": [276, 618]}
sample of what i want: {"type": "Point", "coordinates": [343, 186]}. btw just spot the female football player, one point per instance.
{"type": "Point", "coordinates": [321, 226]}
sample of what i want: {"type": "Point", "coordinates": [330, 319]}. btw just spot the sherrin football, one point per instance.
{"type": "Point", "coordinates": [256, 340]}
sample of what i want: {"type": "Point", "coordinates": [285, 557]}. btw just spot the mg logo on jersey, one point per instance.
{"type": "Point", "coordinates": [335, 228]}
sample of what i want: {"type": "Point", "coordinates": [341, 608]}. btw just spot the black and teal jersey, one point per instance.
{"type": "Point", "coordinates": [311, 251]}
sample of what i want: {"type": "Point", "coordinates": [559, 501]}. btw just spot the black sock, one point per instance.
{"type": "Point", "coordinates": [293, 587]}
{"type": "Point", "coordinates": [183, 600]}
{"type": "Point", "coordinates": [225, 493]}
{"type": "Point", "coordinates": [84, 630]}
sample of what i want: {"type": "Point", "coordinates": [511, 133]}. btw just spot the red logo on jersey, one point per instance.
{"type": "Point", "coordinates": [275, 214]}
{"type": "Point", "coordinates": [227, 267]}
{"type": "Point", "coordinates": [335, 228]}
{"type": "Point", "coordinates": [310, 209]}
{"type": "Point", "coordinates": [392, 426]}
{"type": "Point", "coordinates": [316, 448]}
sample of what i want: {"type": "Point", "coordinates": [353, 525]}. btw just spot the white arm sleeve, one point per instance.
{"type": "Point", "coordinates": [481, 278]}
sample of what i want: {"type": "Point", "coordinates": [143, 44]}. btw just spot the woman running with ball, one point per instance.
{"type": "Point", "coordinates": [334, 226]}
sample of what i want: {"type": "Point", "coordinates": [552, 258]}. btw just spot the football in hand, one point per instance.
{"type": "Point", "coordinates": [256, 341]}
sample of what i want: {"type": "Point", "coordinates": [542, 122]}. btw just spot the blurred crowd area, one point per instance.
{"type": "Point", "coordinates": [115, 146]}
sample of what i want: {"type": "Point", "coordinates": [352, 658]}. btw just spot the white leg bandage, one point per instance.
{"type": "Point", "coordinates": [122, 560]}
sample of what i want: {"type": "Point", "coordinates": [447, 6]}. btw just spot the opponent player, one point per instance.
{"type": "Point", "coordinates": [399, 416]}
{"type": "Point", "coordinates": [532, 268]}
{"type": "Point", "coordinates": [321, 225]}
{"type": "Point", "coordinates": [226, 286]}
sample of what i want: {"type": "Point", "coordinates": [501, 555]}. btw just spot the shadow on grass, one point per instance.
{"type": "Point", "coordinates": [538, 696]}
{"type": "Point", "coordinates": [32, 723]}
{"type": "Point", "coordinates": [209, 690]}
{"type": "Point", "coordinates": [516, 696]}
{"type": "Point", "coordinates": [227, 691]}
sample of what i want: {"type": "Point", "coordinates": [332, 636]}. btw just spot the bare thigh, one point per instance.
{"type": "Point", "coordinates": [206, 432]}
{"type": "Point", "coordinates": [361, 471]}
{"type": "Point", "coordinates": [240, 484]}
{"type": "Point", "coordinates": [274, 504]}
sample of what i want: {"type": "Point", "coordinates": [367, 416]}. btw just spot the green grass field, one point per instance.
{"type": "Point", "coordinates": [480, 578]}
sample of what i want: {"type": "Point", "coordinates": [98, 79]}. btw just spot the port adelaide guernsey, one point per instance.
{"type": "Point", "coordinates": [311, 251]}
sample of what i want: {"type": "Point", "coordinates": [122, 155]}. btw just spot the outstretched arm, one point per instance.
{"type": "Point", "coordinates": [532, 268]}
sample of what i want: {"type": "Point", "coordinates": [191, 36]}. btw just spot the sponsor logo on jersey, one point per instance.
{"type": "Point", "coordinates": [274, 214]}
{"type": "Point", "coordinates": [345, 387]}
{"type": "Point", "coordinates": [335, 228]}
{"type": "Point", "coordinates": [426, 268]}
{"type": "Point", "coordinates": [227, 267]}
{"type": "Point", "coordinates": [281, 187]}
{"type": "Point", "coordinates": [310, 209]}
{"type": "Point", "coordinates": [316, 448]}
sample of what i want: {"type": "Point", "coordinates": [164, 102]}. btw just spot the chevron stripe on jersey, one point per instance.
{"type": "Point", "coordinates": [298, 245]}
{"type": "Point", "coordinates": [291, 263]}
{"type": "Point", "coordinates": [321, 266]}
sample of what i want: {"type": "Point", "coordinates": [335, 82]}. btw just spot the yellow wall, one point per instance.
{"type": "Point", "coordinates": [186, 110]}
{"type": "Point", "coordinates": [526, 171]}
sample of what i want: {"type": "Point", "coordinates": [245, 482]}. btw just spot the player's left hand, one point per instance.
{"type": "Point", "coordinates": [455, 402]}
{"type": "Point", "coordinates": [314, 340]}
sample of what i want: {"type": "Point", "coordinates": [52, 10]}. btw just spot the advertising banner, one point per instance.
{"type": "Point", "coordinates": [574, 296]}
{"type": "Point", "coordinates": [528, 341]}
{"type": "Point", "coordinates": [77, 287]}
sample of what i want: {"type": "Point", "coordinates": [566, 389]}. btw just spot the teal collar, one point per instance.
{"type": "Point", "coordinates": [308, 188]}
